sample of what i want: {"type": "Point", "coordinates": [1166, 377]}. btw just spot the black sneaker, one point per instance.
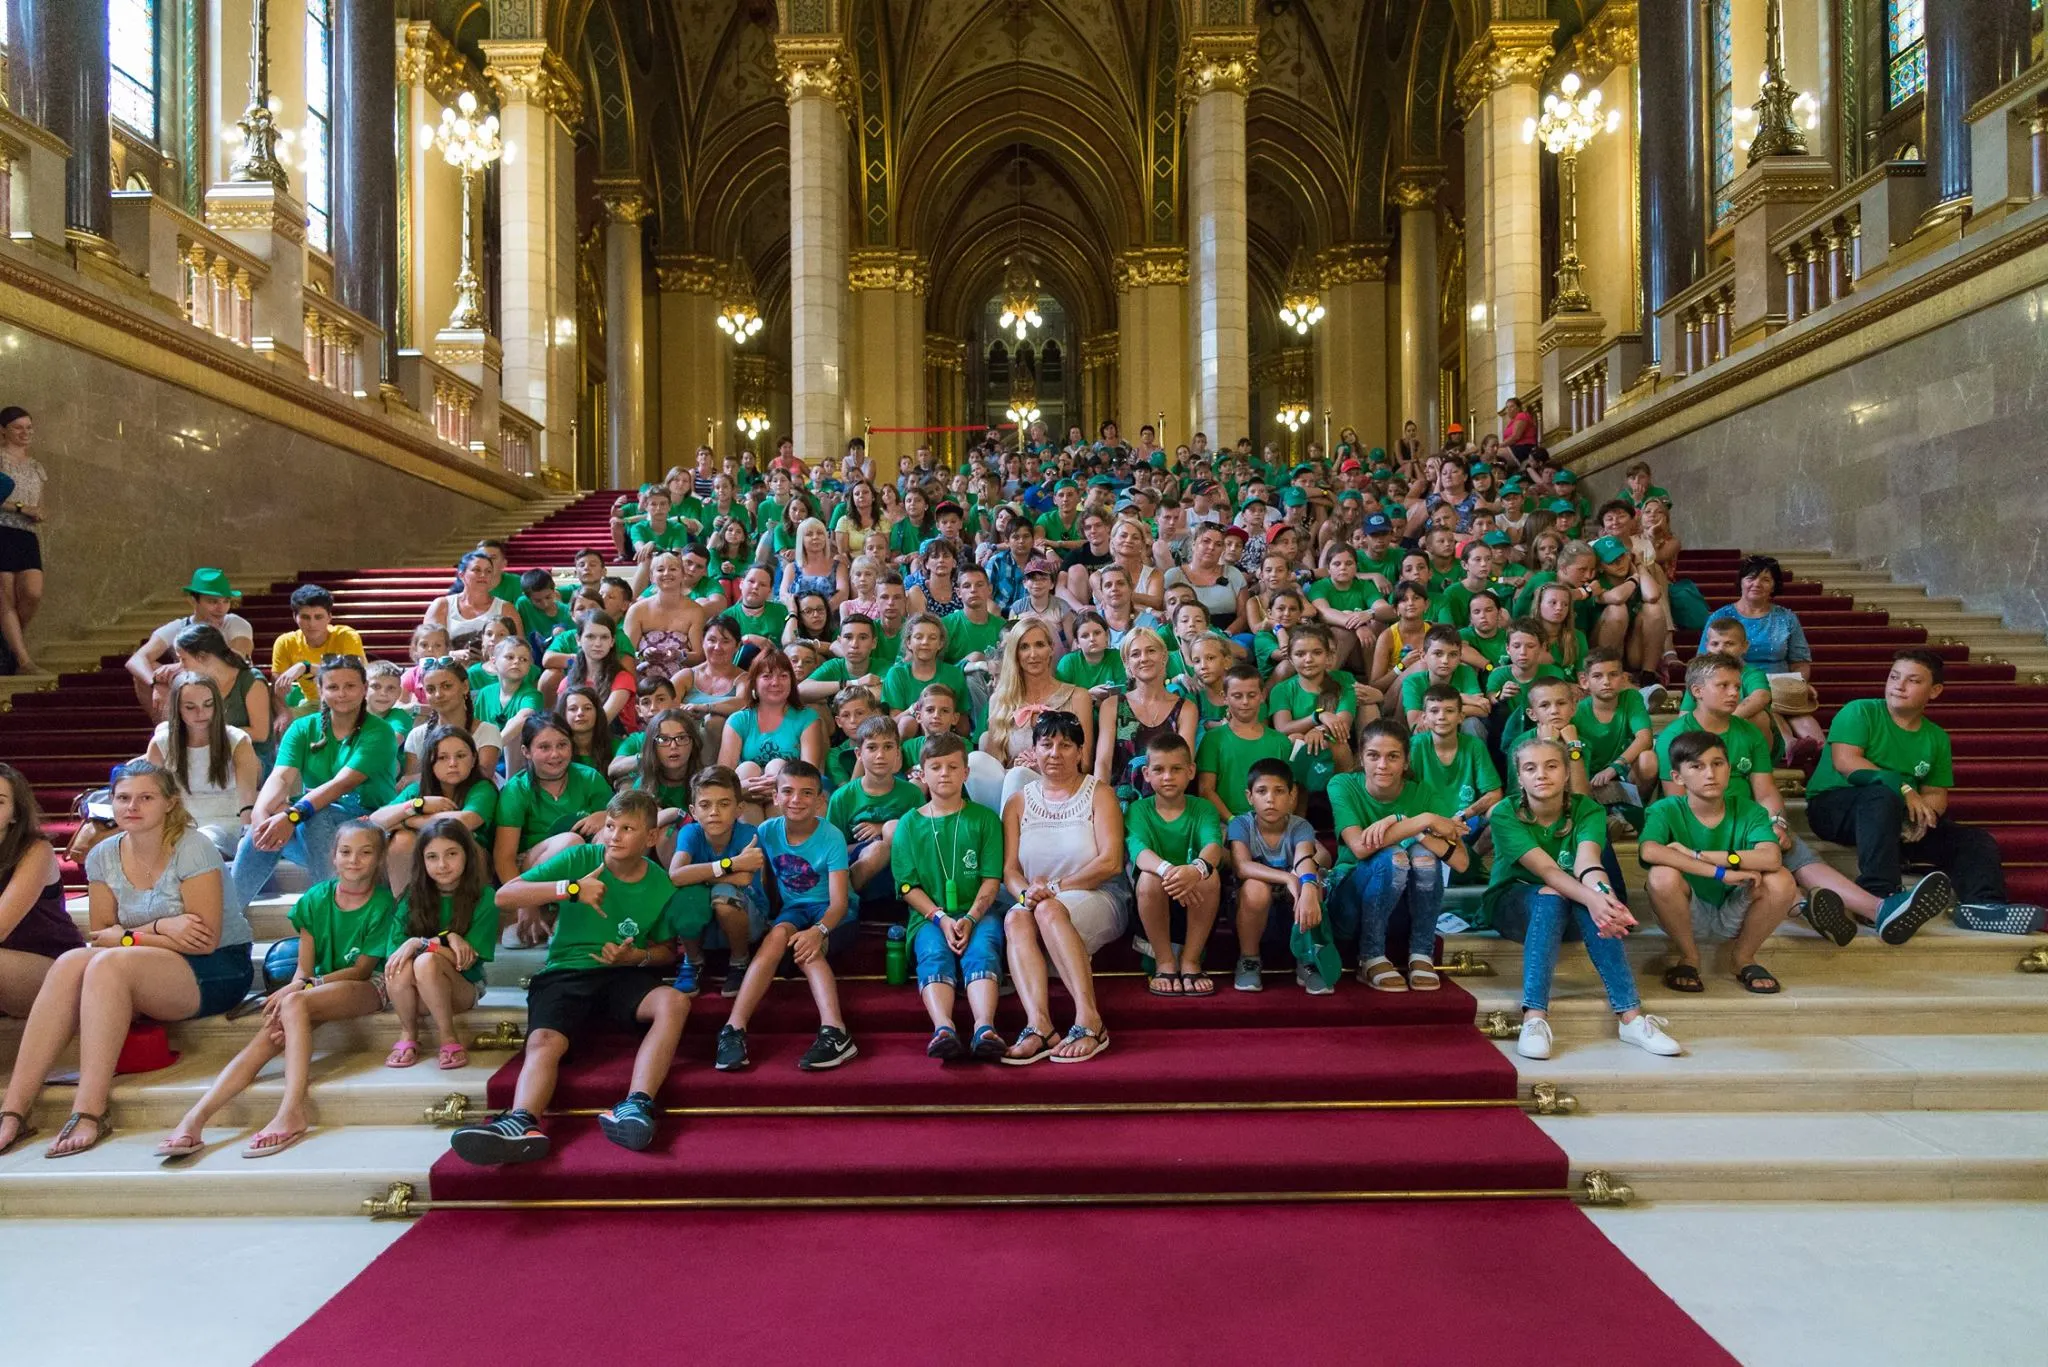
{"type": "Point", "coordinates": [732, 1049]}
{"type": "Point", "coordinates": [630, 1124]}
{"type": "Point", "coordinates": [1902, 914]}
{"type": "Point", "coordinates": [1826, 914]}
{"type": "Point", "coordinates": [735, 974]}
{"type": "Point", "coordinates": [831, 1048]}
{"type": "Point", "coordinates": [514, 1137]}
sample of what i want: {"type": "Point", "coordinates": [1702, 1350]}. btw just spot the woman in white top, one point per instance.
{"type": "Point", "coordinates": [471, 605]}
{"type": "Point", "coordinates": [21, 546]}
{"type": "Point", "coordinates": [446, 684]}
{"type": "Point", "coordinates": [1063, 860]}
{"type": "Point", "coordinates": [215, 764]}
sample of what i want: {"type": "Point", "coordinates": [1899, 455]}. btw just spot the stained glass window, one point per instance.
{"type": "Point", "coordinates": [319, 105]}
{"type": "Point", "coordinates": [1905, 49]}
{"type": "Point", "coordinates": [131, 53]}
{"type": "Point", "coordinates": [1722, 20]}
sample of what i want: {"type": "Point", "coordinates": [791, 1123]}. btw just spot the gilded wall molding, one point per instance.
{"type": "Point", "coordinates": [811, 65]}
{"type": "Point", "coordinates": [1143, 266]}
{"type": "Point", "coordinates": [1510, 52]}
{"type": "Point", "coordinates": [527, 72]}
{"type": "Point", "coordinates": [1607, 41]}
{"type": "Point", "coordinates": [1219, 60]}
{"type": "Point", "coordinates": [625, 201]}
{"type": "Point", "coordinates": [1352, 263]}
{"type": "Point", "coordinates": [1415, 187]}
{"type": "Point", "coordinates": [426, 58]}
{"type": "Point", "coordinates": [943, 352]}
{"type": "Point", "coordinates": [686, 273]}
{"type": "Point", "coordinates": [885, 268]}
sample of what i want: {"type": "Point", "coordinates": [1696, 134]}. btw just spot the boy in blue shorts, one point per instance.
{"type": "Point", "coordinates": [717, 870]}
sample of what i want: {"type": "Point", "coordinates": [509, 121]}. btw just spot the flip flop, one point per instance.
{"type": "Point", "coordinates": [453, 1055]}
{"type": "Point", "coordinates": [1197, 984]}
{"type": "Point", "coordinates": [404, 1054]}
{"type": "Point", "coordinates": [22, 1135]}
{"type": "Point", "coordinates": [174, 1148]}
{"type": "Point", "coordinates": [101, 1129]}
{"type": "Point", "coordinates": [1158, 985]}
{"type": "Point", "coordinates": [1684, 978]}
{"type": "Point", "coordinates": [1098, 1044]}
{"type": "Point", "coordinates": [276, 1143]}
{"type": "Point", "coordinates": [1043, 1052]}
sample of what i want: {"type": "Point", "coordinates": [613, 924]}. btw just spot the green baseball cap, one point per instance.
{"type": "Point", "coordinates": [1351, 495]}
{"type": "Point", "coordinates": [1560, 505]}
{"type": "Point", "coordinates": [1565, 477]}
{"type": "Point", "coordinates": [1496, 539]}
{"type": "Point", "coordinates": [1657, 492]}
{"type": "Point", "coordinates": [1382, 472]}
{"type": "Point", "coordinates": [1377, 454]}
{"type": "Point", "coordinates": [1480, 468]}
{"type": "Point", "coordinates": [1291, 497]}
{"type": "Point", "coordinates": [1065, 485]}
{"type": "Point", "coordinates": [1104, 482]}
{"type": "Point", "coordinates": [212, 583]}
{"type": "Point", "coordinates": [1609, 549]}
{"type": "Point", "coordinates": [1512, 485]}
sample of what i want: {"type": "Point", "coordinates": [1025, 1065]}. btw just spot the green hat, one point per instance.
{"type": "Point", "coordinates": [1351, 494]}
{"type": "Point", "coordinates": [212, 584]}
{"type": "Point", "coordinates": [1377, 454]}
{"type": "Point", "coordinates": [1104, 482]}
{"type": "Point", "coordinates": [1512, 485]}
{"type": "Point", "coordinates": [1382, 472]}
{"type": "Point", "coordinates": [1045, 465]}
{"type": "Point", "coordinates": [1065, 485]}
{"type": "Point", "coordinates": [1496, 539]}
{"type": "Point", "coordinates": [1303, 469]}
{"type": "Point", "coordinates": [1291, 497]}
{"type": "Point", "coordinates": [1609, 549]}
{"type": "Point", "coordinates": [1480, 468]}
{"type": "Point", "coordinates": [1560, 505]}
{"type": "Point", "coordinates": [1565, 477]}
{"type": "Point", "coordinates": [1657, 492]}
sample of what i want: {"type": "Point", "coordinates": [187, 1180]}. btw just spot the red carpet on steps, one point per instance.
{"type": "Point", "coordinates": [1531, 1283]}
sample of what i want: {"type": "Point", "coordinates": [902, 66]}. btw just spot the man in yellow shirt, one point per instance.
{"type": "Point", "coordinates": [298, 653]}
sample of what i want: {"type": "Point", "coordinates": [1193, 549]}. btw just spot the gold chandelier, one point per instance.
{"type": "Point", "coordinates": [739, 317]}
{"type": "Point", "coordinates": [1020, 298]}
{"type": "Point", "coordinates": [1293, 416]}
{"type": "Point", "coordinates": [1301, 302]}
{"type": "Point", "coordinates": [753, 422]}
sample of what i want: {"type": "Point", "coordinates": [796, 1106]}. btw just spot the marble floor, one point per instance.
{"type": "Point", "coordinates": [1780, 1284]}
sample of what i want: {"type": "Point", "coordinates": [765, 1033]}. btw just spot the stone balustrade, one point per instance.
{"type": "Point", "coordinates": [2009, 144]}
{"type": "Point", "coordinates": [32, 166]}
{"type": "Point", "coordinates": [208, 279]}
{"type": "Point", "coordinates": [334, 344]}
{"type": "Point", "coordinates": [1821, 256]}
{"type": "Point", "coordinates": [1700, 321]}
{"type": "Point", "coordinates": [1586, 392]}
{"type": "Point", "coordinates": [447, 401]}
{"type": "Point", "coordinates": [518, 442]}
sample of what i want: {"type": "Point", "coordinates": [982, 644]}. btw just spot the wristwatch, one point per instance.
{"type": "Point", "coordinates": [1734, 860]}
{"type": "Point", "coordinates": [419, 804]}
{"type": "Point", "coordinates": [127, 939]}
{"type": "Point", "coordinates": [725, 865]}
{"type": "Point", "coordinates": [1577, 752]}
{"type": "Point", "coordinates": [574, 889]}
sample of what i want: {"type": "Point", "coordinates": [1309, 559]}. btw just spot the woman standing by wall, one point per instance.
{"type": "Point", "coordinates": [22, 479]}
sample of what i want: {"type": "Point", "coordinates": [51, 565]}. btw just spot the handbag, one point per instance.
{"type": "Point", "coordinates": [95, 813]}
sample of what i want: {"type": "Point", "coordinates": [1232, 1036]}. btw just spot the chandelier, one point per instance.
{"type": "Point", "coordinates": [1020, 298]}
{"type": "Point", "coordinates": [753, 422]}
{"type": "Point", "coordinates": [1571, 119]}
{"type": "Point", "coordinates": [470, 145]}
{"type": "Point", "coordinates": [1293, 416]}
{"type": "Point", "coordinates": [738, 317]}
{"type": "Point", "coordinates": [1301, 303]}
{"type": "Point", "coordinates": [1022, 412]}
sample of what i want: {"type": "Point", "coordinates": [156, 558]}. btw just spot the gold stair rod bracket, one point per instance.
{"type": "Point", "coordinates": [395, 1204]}
{"type": "Point", "coordinates": [1499, 1025]}
{"type": "Point", "coordinates": [1549, 1100]}
{"type": "Point", "coordinates": [452, 1109]}
{"type": "Point", "coordinates": [1463, 963]}
{"type": "Point", "coordinates": [2036, 961]}
{"type": "Point", "coordinates": [1601, 1188]}
{"type": "Point", "coordinates": [504, 1035]}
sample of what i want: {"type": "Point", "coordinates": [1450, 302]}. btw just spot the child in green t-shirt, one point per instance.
{"type": "Point", "coordinates": [614, 937]}
{"type": "Point", "coordinates": [1443, 662]}
{"type": "Point", "coordinates": [1395, 841]}
{"type": "Point", "coordinates": [1176, 849]}
{"type": "Point", "coordinates": [937, 713]}
{"type": "Point", "coordinates": [1091, 664]}
{"type": "Point", "coordinates": [509, 698]}
{"type": "Point", "coordinates": [1227, 751]}
{"type": "Point", "coordinates": [444, 932]}
{"type": "Point", "coordinates": [867, 807]}
{"type": "Point", "coordinates": [947, 863]}
{"type": "Point", "coordinates": [1442, 757]}
{"type": "Point", "coordinates": [852, 708]}
{"type": "Point", "coordinates": [1342, 601]}
{"type": "Point", "coordinates": [1316, 707]}
{"type": "Point", "coordinates": [342, 924]}
{"type": "Point", "coordinates": [1486, 645]}
{"type": "Point", "coordinates": [1508, 685]}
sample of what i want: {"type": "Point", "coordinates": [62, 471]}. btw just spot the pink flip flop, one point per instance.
{"type": "Point", "coordinates": [404, 1054]}
{"type": "Point", "coordinates": [454, 1055]}
{"type": "Point", "coordinates": [271, 1142]}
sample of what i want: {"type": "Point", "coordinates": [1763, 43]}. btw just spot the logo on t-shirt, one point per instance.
{"type": "Point", "coordinates": [795, 875]}
{"type": "Point", "coordinates": [1922, 769]}
{"type": "Point", "coordinates": [1743, 765]}
{"type": "Point", "coordinates": [971, 860]}
{"type": "Point", "coordinates": [628, 928]}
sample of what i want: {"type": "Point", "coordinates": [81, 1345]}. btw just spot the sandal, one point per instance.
{"type": "Point", "coordinates": [1197, 984]}
{"type": "Point", "coordinates": [100, 1130]}
{"type": "Point", "coordinates": [988, 1045]}
{"type": "Point", "coordinates": [272, 1141]}
{"type": "Point", "coordinates": [1684, 978]}
{"type": "Point", "coordinates": [944, 1045]}
{"type": "Point", "coordinates": [1422, 974]}
{"type": "Point", "coordinates": [453, 1055]}
{"type": "Point", "coordinates": [1381, 973]}
{"type": "Point", "coordinates": [1164, 985]}
{"type": "Point", "coordinates": [404, 1054]}
{"type": "Point", "coordinates": [22, 1135]}
{"type": "Point", "coordinates": [173, 1147]}
{"type": "Point", "coordinates": [1038, 1055]}
{"type": "Point", "coordinates": [1097, 1041]}
{"type": "Point", "coordinates": [1754, 976]}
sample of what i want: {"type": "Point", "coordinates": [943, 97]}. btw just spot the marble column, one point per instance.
{"type": "Point", "coordinates": [1415, 196]}
{"type": "Point", "coordinates": [695, 356]}
{"type": "Point", "coordinates": [1217, 77]}
{"type": "Point", "coordinates": [1672, 148]}
{"type": "Point", "coordinates": [625, 343]}
{"type": "Point", "coordinates": [59, 70]}
{"type": "Point", "coordinates": [1152, 328]}
{"type": "Point", "coordinates": [888, 386]}
{"type": "Point", "coordinates": [365, 66]}
{"type": "Point", "coordinates": [1971, 46]}
{"type": "Point", "coordinates": [816, 80]}
{"type": "Point", "coordinates": [539, 105]}
{"type": "Point", "coordinates": [1478, 317]}
{"type": "Point", "coordinates": [1350, 344]}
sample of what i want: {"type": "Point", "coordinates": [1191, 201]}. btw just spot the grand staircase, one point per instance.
{"type": "Point", "coordinates": [1912, 1073]}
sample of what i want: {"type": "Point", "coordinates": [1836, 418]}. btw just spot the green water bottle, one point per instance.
{"type": "Point", "coordinates": [896, 966]}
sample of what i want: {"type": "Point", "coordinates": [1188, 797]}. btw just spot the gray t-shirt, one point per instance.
{"type": "Point", "coordinates": [135, 907]}
{"type": "Point", "coordinates": [1280, 855]}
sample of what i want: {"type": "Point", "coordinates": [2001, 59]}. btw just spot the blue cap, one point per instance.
{"type": "Point", "coordinates": [1377, 525]}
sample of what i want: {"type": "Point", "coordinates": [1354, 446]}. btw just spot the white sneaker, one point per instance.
{"type": "Point", "coordinates": [1534, 1041]}
{"type": "Point", "coordinates": [1646, 1033]}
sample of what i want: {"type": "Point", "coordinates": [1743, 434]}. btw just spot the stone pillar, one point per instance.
{"type": "Point", "coordinates": [625, 343]}
{"type": "Point", "coordinates": [365, 66]}
{"type": "Point", "coordinates": [539, 104]}
{"type": "Point", "coordinates": [815, 77]}
{"type": "Point", "coordinates": [1478, 316]}
{"type": "Point", "coordinates": [945, 369]}
{"type": "Point", "coordinates": [1971, 46]}
{"type": "Point", "coordinates": [1152, 310]}
{"type": "Point", "coordinates": [1099, 388]}
{"type": "Point", "coordinates": [1415, 195]}
{"type": "Point", "coordinates": [1672, 149]}
{"type": "Point", "coordinates": [59, 71]}
{"type": "Point", "coordinates": [1350, 344]}
{"type": "Point", "coordinates": [695, 356]}
{"type": "Point", "coordinates": [888, 289]}
{"type": "Point", "coordinates": [1219, 71]}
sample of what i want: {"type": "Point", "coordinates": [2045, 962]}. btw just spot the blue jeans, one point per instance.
{"type": "Point", "coordinates": [1375, 889]}
{"type": "Point", "coordinates": [937, 963]}
{"type": "Point", "coordinates": [1540, 919]}
{"type": "Point", "coordinates": [311, 848]}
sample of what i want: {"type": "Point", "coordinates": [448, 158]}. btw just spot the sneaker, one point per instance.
{"type": "Point", "coordinates": [735, 974]}
{"type": "Point", "coordinates": [1310, 979]}
{"type": "Point", "coordinates": [1826, 914]}
{"type": "Point", "coordinates": [686, 976]}
{"type": "Point", "coordinates": [1901, 915]}
{"type": "Point", "coordinates": [514, 1137]}
{"type": "Point", "coordinates": [1646, 1032]}
{"type": "Point", "coordinates": [1534, 1041]}
{"type": "Point", "coordinates": [630, 1124]}
{"type": "Point", "coordinates": [831, 1048]}
{"type": "Point", "coordinates": [2007, 918]}
{"type": "Point", "coordinates": [732, 1049]}
{"type": "Point", "coordinates": [1250, 976]}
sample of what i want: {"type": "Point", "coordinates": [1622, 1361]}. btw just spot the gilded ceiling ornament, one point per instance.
{"type": "Point", "coordinates": [530, 72]}
{"type": "Point", "coordinates": [1606, 42]}
{"type": "Point", "coordinates": [686, 273]}
{"type": "Point", "coordinates": [625, 201]}
{"type": "Point", "coordinates": [885, 268]}
{"type": "Point", "coordinates": [1351, 263]}
{"type": "Point", "coordinates": [1144, 266]}
{"type": "Point", "coordinates": [815, 66]}
{"type": "Point", "coordinates": [1509, 53]}
{"type": "Point", "coordinates": [1220, 59]}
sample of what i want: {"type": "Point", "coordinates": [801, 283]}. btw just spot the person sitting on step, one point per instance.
{"type": "Point", "coordinates": [606, 969]}
{"type": "Point", "coordinates": [1549, 881]}
{"type": "Point", "coordinates": [1883, 786]}
{"type": "Point", "coordinates": [1396, 837]}
{"type": "Point", "coordinates": [545, 808]}
{"type": "Point", "coordinates": [452, 783]}
{"type": "Point", "coordinates": [1277, 860]}
{"type": "Point", "coordinates": [343, 926]}
{"type": "Point", "coordinates": [34, 926]}
{"type": "Point", "coordinates": [1176, 849]}
{"type": "Point", "coordinates": [947, 864]}
{"type": "Point", "coordinates": [296, 654]}
{"type": "Point", "coordinates": [444, 931]}
{"type": "Point", "coordinates": [1714, 867]}
{"type": "Point", "coordinates": [152, 665]}
{"type": "Point", "coordinates": [869, 807]}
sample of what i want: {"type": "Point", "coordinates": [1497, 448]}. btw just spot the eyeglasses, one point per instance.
{"type": "Point", "coordinates": [434, 662]}
{"type": "Point", "coordinates": [329, 661]}
{"type": "Point", "coordinates": [680, 738]}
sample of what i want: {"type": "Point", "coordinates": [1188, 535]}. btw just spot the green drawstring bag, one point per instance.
{"type": "Point", "coordinates": [1688, 605]}
{"type": "Point", "coordinates": [1318, 947]}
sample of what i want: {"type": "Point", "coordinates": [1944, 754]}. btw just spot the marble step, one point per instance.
{"type": "Point", "coordinates": [1798, 951]}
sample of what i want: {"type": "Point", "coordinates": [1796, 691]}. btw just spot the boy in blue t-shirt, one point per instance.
{"type": "Point", "coordinates": [806, 856]}
{"type": "Point", "coordinates": [1277, 861]}
{"type": "Point", "coordinates": [717, 849]}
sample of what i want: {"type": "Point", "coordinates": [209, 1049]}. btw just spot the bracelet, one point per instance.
{"type": "Point", "coordinates": [299, 811]}
{"type": "Point", "coordinates": [1720, 874]}
{"type": "Point", "coordinates": [561, 889]}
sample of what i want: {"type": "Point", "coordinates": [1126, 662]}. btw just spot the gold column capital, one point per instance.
{"type": "Point", "coordinates": [1142, 266]}
{"type": "Point", "coordinates": [625, 201]}
{"type": "Point", "coordinates": [947, 353]}
{"type": "Point", "coordinates": [528, 71]}
{"type": "Point", "coordinates": [1510, 52]}
{"type": "Point", "coordinates": [427, 58]}
{"type": "Point", "coordinates": [886, 268]}
{"type": "Point", "coordinates": [1608, 40]}
{"type": "Point", "coordinates": [1219, 60]}
{"type": "Point", "coordinates": [812, 64]}
{"type": "Point", "coordinates": [1415, 187]}
{"type": "Point", "coordinates": [686, 273]}
{"type": "Point", "coordinates": [1352, 263]}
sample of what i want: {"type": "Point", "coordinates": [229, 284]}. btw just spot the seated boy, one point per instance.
{"type": "Point", "coordinates": [1714, 867]}
{"type": "Point", "coordinates": [852, 662]}
{"type": "Point", "coordinates": [1443, 663]}
{"type": "Point", "coordinates": [853, 707]}
{"type": "Point", "coordinates": [718, 849]}
{"type": "Point", "coordinates": [1343, 602]}
{"type": "Point", "coordinates": [1613, 723]}
{"type": "Point", "coordinates": [1486, 645]}
{"type": "Point", "coordinates": [614, 934]}
{"type": "Point", "coordinates": [867, 807]}
{"type": "Point", "coordinates": [947, 864]}
{"type": "Point", "coordinates": [1274, 854]}
{"type": "Point", "coordinates": [1227, 751]}
{"type": "Point", "coordinates": [937, 714]}
{"type": "Point", "coordinates": [1392, 850]}
{"type": "Point", "coordinates": [1883, 787]}
{"type": "Point", "coordinates": [1445, 759]}
{"type": "Point", "coordinates": [807, 857]}
{"type": "Point", "coordinates": [1508, 685]}
{"type": "Point", "coordinates": [1176, 849]}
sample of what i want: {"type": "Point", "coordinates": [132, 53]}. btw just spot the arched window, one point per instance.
{"type": "Point", "coordinates": [131, 57]}
{"type": "Point", "coordinates": [1721, 102]}
{"type": "Point", "coordinates": [1905, 50]}
{"type": "Point", "coordinates": [1050, 369]}
{"type": "Point", "coordinates": [319, 108]}
{"type": "Point", "coordinates": [998, 366]}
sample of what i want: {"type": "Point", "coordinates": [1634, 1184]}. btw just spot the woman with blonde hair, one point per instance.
{"type": "Point", "coordinates": [815, 566]}
{"type": "Point", "coordinates": [1025, 688]}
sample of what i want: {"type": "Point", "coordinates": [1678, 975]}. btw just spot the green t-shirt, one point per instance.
{"type": "Point", "coordinates": [1056, 529]}
{"type": "Point", "coordinates": [1460, 783]}
{"type": "Point", "coordinates": [538, 814]}
{"type": "Point", "coordinates": [1297, 702]}
{"type": "Point", "coordinates": [901, 688]}
{"type": "Point", "coordinates": [1352, 598]}
{"type": "Point", "coordinates": [1453, 606]}
{"type": "Point", "coordinates": [1918, 757]}
{"type": "Point", "coordinates": [1525, 601]}
{"type": "Point", "coordinates": [768, 622]}
{"type": "Point", "coordinates": [1748, 751]}
{"type": "Point", "coordinates": [1744, 825]}
{"type": "Point", "coordinates": [1230, 757]}
{"type": "Point", "coordinates": [490, 704]}
{"type": "Point", "coordinates": [1463, 678]}
{"type": "Point", "coordinates": [1604, 741]}
{"type": "Point", "coordinates": [482, 798]}
{"type": "Point", "coordinates": [372, 751]}
{"type": "Point", "coordinates": [888, 648]}
{"type": "Point", "coordinates": [946, 857]}
{"type": "Point", "coordinates": [1074, 669]}
{"type": "Point", "coordinates": [965, 637]}
{"type": "Point", "coordinates": [482, 935]}
{"type": "Point", "coordinates": [906, 536]}
{"type": "Point", "coordinates": [670, 538]}
{"type": "Point", "coordinates": [1582, 820]}
{"type": "Point", "coordinates": [838, 671]}
{"type": "Point", "coordinates": [1352, 804]}
{"type": "Point", "coordinates": [1505, 672]}
{"type": "Point", "coordinates": [564, 643]}
{"type": "Point", "coordinates": [1265, 645]}
{"type": "Point", "coordinates": [537, 623]}
{"type": "Point", "coordinates": [851, 804]}
{"type": "Point", "coordinates": [341, 937]}
{"type": "Point", "coordinates": [507, 590]}
{"type": "Point", "coordinates": [1753, 681]}
{"type": "Point", "coordinates": [1176, 841]}
{"type": "Point", "coordinates": [636, 911]}
{"type": "Point", "coordinates": [1387, 566]}
{"type": "Point", "coordinates": [1493, 649]}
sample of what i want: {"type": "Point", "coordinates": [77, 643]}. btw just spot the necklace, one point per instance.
{"type": "Point", "coordinates": [949, 866]}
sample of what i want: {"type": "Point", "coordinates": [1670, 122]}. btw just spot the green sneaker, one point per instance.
{"type": "Point", "coordinates": [1900, 916]}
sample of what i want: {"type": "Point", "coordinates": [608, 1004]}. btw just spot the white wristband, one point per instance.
{"type": "Point", "coordinates": [561, 889]}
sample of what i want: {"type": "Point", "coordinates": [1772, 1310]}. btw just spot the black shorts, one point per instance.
{"type": "Point", "coordinates": [570, 1001]}
{"type": "Point", "coordinates": [19, 550]}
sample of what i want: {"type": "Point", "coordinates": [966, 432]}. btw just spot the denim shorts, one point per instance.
{"type": "Point", "coordinates": [223, 976]}
{"type": "Point", "coordinates": [804, 915]}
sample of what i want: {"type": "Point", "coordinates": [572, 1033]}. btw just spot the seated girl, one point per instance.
{"type": "Point", "coordinates": [442, 935]}
{"type": "Point", "coordinates": [34, 926]}
{"type": "Point", "coordinates": [547, 807]}
{"type": "Point", "coordinates": [449, 708]}
{"type": "Point", "coordinates": [452, 783]}
{"type": "Point", "coordinates": [215, 764]}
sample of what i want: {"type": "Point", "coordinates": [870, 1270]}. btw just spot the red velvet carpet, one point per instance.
{"type": "Point", "coordinates": [1524, 1282]}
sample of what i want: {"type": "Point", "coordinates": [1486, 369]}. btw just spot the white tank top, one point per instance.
{"type": "Point", "coordinates": [1056, 839]}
